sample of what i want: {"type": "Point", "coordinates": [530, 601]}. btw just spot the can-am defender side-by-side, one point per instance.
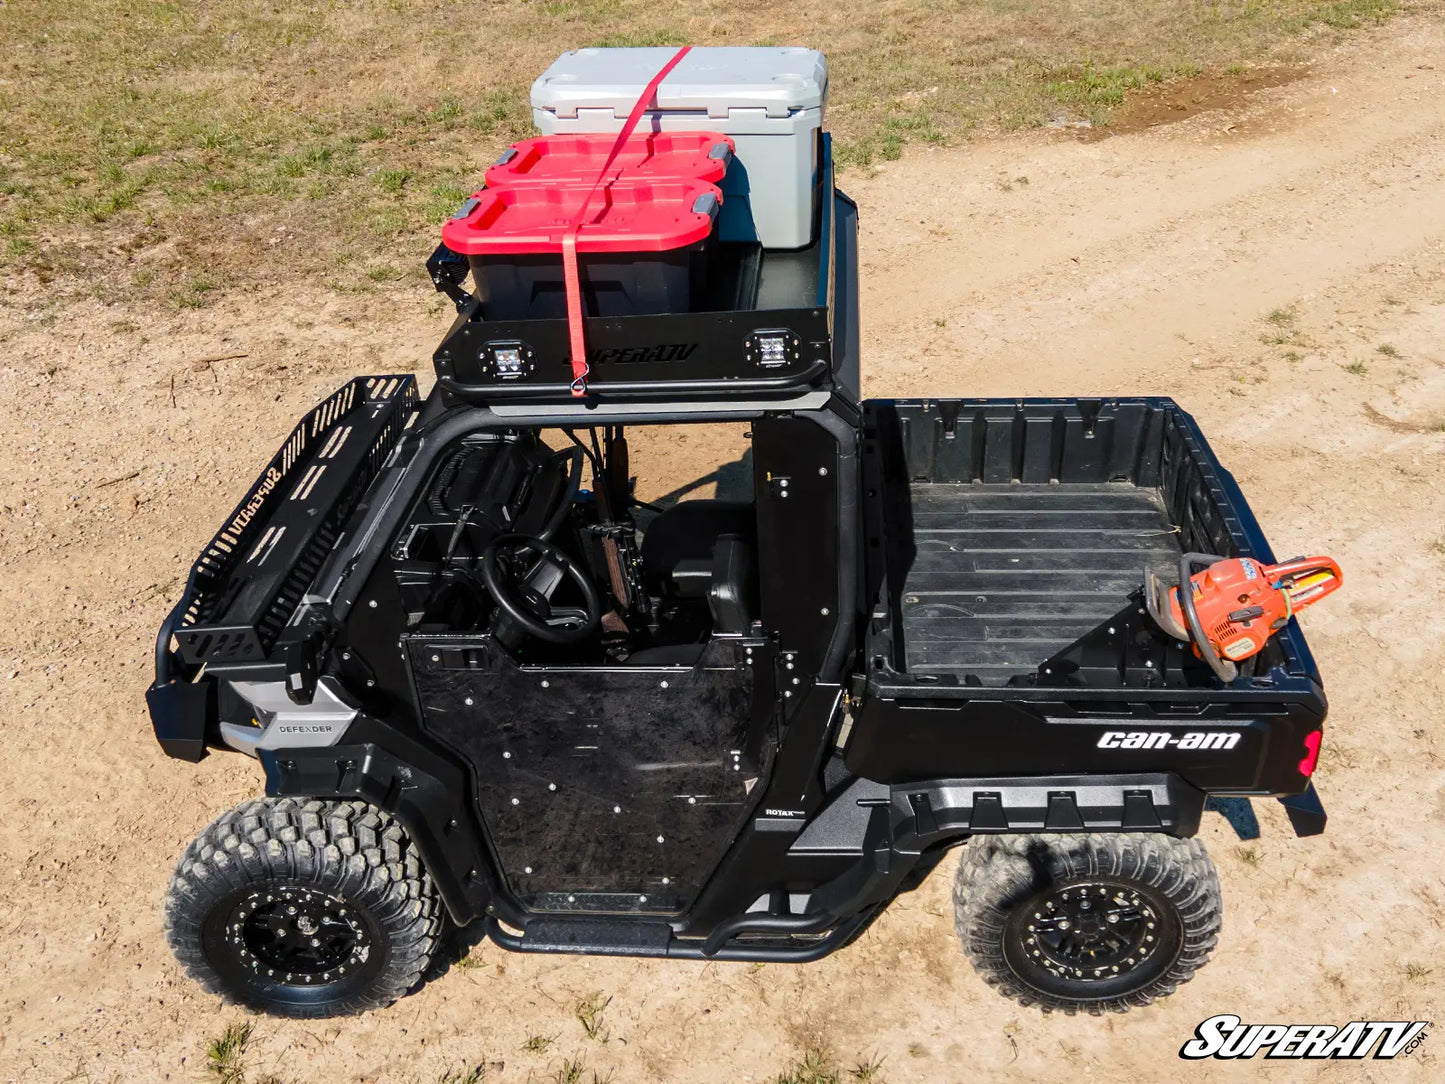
{"type": "Point", "coordinates": [488, 684]}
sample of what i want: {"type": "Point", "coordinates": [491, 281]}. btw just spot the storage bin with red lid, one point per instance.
{"type": "Point", "coordinates": [641, 245]}
{"type": "Point", "coordinates": [576, 159]}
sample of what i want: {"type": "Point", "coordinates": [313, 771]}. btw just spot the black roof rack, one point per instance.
{"type": "Point", "coordinates": [767, 332]}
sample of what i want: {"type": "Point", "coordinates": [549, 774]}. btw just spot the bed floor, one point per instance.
{"type": "Point", "coordinates": [1007, 575]}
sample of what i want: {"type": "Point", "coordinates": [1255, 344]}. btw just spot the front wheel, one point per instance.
{"type": "Point", "coordinates": [303, 908]}
{"type": "Point", "coordinates": [1101, 923]}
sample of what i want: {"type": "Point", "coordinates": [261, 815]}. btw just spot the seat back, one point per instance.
{"type": "Point", "coordinates": [685, 535]}
{"type": "Point", "coordinates": [733, 586]}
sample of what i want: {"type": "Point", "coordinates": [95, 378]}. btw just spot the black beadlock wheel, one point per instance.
{"type": "Point", "coordinates": [1099, 923]}
{"type": "Point", "coordinates": [303, 908]}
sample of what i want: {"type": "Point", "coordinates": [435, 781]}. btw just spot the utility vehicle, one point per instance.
{"type": "Point", "coordinates": [488, 684]}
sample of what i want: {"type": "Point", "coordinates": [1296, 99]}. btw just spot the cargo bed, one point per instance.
{"type": "Point", "coordinates": [1011, 529]}
{"type": "Point", "coordinates": [1005, 576]}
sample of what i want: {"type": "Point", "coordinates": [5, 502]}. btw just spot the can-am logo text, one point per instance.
{"type": "Point", "coordinates": [1162, 739]}
{"type": "Point", "coordinates": [1227, 1036]}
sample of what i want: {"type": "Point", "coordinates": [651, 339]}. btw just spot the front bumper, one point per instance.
{"type": "Point", "coordinates": [182, 701]}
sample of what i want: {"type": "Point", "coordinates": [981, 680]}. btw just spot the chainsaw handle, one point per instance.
{"type": "Point", "coordinates": [1223, 669]}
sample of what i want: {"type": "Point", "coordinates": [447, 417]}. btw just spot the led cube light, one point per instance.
{"type": "Point", "coordinates": [507, 360]}
{"type": "Point", "coordinates": [772, 349]}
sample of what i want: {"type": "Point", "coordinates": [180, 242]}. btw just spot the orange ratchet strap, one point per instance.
{"type": "Point", "coordinates": [570, 279]}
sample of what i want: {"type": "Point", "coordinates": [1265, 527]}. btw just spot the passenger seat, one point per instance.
{"type": "Point", "coordinates": [702, 550]}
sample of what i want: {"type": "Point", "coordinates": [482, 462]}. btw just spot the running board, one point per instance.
{"type": "Point", "coordinates": [629, 937]}
{"type": "Point", "coordinates": [585, 936]}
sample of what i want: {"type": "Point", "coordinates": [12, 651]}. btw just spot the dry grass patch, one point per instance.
{"type": "Point", "coordinates": [225, 1058]}
{"type": "Point", "coordinates": [259, 141]}
{"type": "Point", "coordinates": [817, 1066]}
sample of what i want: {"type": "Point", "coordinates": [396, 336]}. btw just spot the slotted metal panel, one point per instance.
{"type": "Point", "coordinates": [248, 581]}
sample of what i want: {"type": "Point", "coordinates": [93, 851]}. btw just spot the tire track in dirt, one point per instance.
{"type": "Point", "coordinates": [1114, 257]}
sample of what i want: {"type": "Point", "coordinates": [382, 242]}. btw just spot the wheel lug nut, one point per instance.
{"type": "Point", "coordinates": [1064, 924]}
{"type": "Point", "coordinates": [1113, 918]}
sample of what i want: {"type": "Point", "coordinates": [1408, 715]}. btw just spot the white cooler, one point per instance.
{"type": "Point", "coordinates": [770, 101]}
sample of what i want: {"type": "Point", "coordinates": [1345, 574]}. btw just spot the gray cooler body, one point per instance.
{"type": "Point", "coordinates": [769, 100]}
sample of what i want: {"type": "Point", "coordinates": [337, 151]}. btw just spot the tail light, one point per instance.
{"type": "Point", "coordinates": [1312, 754]}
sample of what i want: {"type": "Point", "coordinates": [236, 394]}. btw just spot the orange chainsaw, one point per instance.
{"type": "Point", "coordinates": [1236, 604]}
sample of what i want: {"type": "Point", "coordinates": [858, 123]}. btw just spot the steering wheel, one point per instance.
{"type": "Point", "coordinates": [527, 597]}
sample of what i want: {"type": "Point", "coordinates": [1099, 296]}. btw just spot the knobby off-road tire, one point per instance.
{"type": "Point", "coordinates": [303, 908]}
{"type": "Point", "coordinates": [1013, 893]}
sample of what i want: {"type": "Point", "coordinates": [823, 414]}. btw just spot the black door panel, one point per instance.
{"type": "Point", "coordinates": [604, 788]}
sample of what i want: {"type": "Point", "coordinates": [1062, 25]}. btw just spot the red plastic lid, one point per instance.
{"type": "Point", "coordinates": [577, 159]}
{"type": "Point", "coordinates": [638, 216]}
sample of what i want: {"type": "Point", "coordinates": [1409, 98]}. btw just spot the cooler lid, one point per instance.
{"type": "Point", "coordinates": [577, 159]}
{"type": "Point", "coordinates": [711, 79]}
{"type": "Point", "coordinates": [639, 216]}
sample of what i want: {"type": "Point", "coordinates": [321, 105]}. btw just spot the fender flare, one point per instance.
{"type": "Point", "coordinates": [424, 793]}
{"type": "Point", "coordinates": [937, 810]}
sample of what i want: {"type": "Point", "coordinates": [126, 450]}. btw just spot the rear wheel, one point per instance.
{"type": "Point", "coordinates": [1101, 923]}
{"type": "Point", "coordinates": [303, 908]}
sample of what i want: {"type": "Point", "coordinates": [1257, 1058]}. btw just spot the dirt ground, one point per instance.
{"type": "Point", "coordinates": [1277, 266]}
